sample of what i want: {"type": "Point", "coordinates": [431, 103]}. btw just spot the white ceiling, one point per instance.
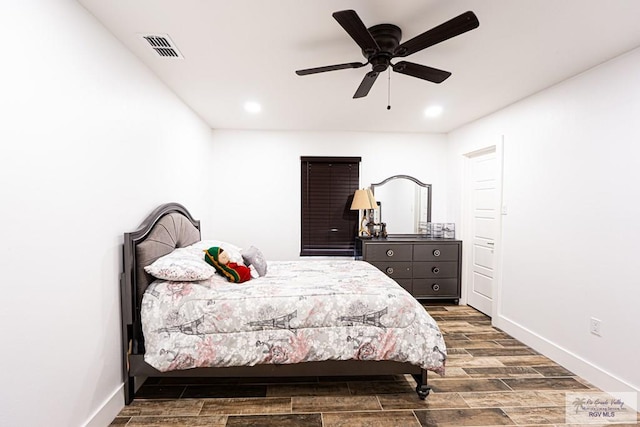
{"type": "Point", "coordinates": [240, 50]}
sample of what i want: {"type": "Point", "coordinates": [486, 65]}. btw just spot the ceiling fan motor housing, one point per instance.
{"type": "Point", "coordinates": [387, 36]}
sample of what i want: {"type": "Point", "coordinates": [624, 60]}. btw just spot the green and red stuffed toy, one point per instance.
{"type": "Point", "coordinates": [219, 259]}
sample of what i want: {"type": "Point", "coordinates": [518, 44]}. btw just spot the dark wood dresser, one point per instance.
{"type": "Point", "coordinates": [427, 268]}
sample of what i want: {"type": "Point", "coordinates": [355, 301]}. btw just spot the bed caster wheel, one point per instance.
{"type": "Point", "coordinates": [423, 391]}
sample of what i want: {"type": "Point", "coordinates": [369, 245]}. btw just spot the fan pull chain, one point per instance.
{"type": "Point", "coordinates": [389, 90]}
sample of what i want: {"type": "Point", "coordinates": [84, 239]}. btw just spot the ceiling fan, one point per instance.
{"type": "Point", "coordinates": [381, 43]}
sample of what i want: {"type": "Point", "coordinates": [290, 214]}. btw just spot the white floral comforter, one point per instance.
{"type": "Point", "coordinates": [300, 311]}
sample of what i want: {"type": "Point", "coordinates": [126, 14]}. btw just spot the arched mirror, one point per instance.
{"type": "Point", "coordinates": [404, 204]}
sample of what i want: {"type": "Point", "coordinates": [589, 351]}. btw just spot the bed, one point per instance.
{"type": "Point", "coordinates": [302, 318]}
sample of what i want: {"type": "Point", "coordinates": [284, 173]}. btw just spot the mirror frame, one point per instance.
{"type": "Point", "coordinates": [410, 178]}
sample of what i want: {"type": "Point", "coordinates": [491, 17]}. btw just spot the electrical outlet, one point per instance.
{"type": "Point", "coordinates": [595, 326]}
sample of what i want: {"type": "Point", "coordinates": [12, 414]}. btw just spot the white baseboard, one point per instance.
{"type": "Point", "coordinates": [600, 378]}
{"type": "Point", "coordinates": [106, 413]}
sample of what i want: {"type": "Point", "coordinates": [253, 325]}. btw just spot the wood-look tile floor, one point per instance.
{"type": "Point", "coordinates": [491, 380]}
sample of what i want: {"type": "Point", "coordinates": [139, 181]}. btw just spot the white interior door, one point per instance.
{"type": "Point", "coordinates": [483, 219]}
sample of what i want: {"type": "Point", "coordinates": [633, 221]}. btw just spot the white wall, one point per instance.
{"type": "Point", "coordinates": [90, 142]}
{"type": "Point", "coordinates": [571, 236]}
{"type": "Point", "coordinates": [255, 179]}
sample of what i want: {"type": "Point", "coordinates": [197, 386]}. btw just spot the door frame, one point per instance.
{"type": "Point", "coordinates": [467, 218]}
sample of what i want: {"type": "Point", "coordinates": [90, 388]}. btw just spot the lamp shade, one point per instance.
{"type": "Point", "coordinates": [363, 199]}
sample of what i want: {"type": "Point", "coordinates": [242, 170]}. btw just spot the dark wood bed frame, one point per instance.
{"type": "Point", "coordinates": [134, 281]}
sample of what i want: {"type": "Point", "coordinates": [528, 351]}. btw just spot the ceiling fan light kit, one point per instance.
{"type": "Point", "coordinates": [381, 43]}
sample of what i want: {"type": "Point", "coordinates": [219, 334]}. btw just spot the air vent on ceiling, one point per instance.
{"type": "Point", "coordinates": [162, 45]}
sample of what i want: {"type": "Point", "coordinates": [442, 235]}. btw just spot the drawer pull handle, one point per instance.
{"type": "Point", "coordinates": [436, 252]}
{"type": "Point", "coordinates": [389, 270]}
{"type": "Point", "coordinates": [435, 287]}
{"type": "Point", "coordinates": [389, 252]}
{"type": "Point", "coordinates": [435, 270]}
{"type": "Point", "coordinates": [334, 230]}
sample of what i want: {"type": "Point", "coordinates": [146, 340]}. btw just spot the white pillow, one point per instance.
{"type": "Point", "coordinates": [181, 265]}
{"type": "Point", "coordinates": [235, 253]}
{"type": "Point", "coordinates": [254, 257]}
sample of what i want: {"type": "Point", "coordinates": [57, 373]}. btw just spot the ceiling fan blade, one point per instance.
{"type": "Point", "coordinates": [454, 27]}
{"type": "Point", "coordinates": [330, 68]}
{"type": "Point", "coordinates": [353, 25]}
{"type": "Point", "coordinates": [421, 71]}
{"type": "Point", "coordinates": [365, 85]}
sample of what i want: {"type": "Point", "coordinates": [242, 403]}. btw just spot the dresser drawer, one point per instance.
{"type": "Point", "coordinates": [435, 252]}
{"type": "Point", "coordinates": [435, 269]}
{"type": "Point", "coordinates": [395, 269]}
{"type": "Point", "coordinates": [435, 288]}
{"type": "Point", "coordinates": [388, 252]}
{"type": "Point", "coordinates": [407, 284]}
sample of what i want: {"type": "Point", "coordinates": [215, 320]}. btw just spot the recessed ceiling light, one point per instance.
{"type": "Point", "coordinates": [433, 111]}
{"type": "Point", "coordinates": [252, 107]}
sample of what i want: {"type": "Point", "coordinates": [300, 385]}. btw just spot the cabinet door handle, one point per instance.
{"type": "Point", "coordinates": [389, 270]}
{"type": "Point", "coordinates": [435, 287]}
{"type": "Point", "coordinates": [334, 230]}
{"type": "Point", "coordinates": [435, 270]}
{"type": "Point", "coordinates": [389, 252]}
{"type": "Point", "coordinates": [436, 252]}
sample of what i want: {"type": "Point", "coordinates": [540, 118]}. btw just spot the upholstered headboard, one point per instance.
{"type": "Point", "coordinates": [168, 227]}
